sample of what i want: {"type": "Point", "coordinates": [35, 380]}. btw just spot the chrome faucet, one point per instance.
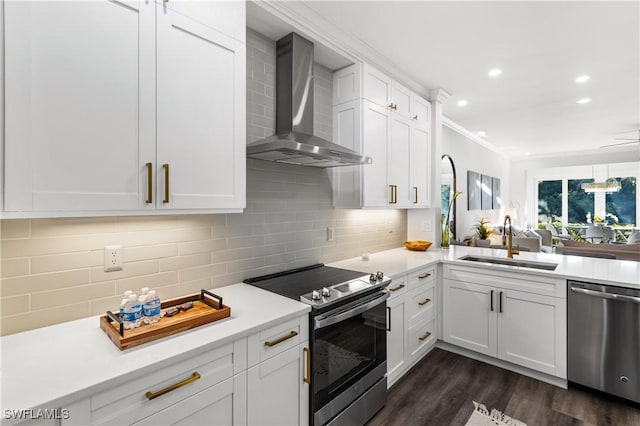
{"type": "Point", "coordinates": [507, 241]}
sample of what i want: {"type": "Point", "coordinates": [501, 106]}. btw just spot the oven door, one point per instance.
{"type": "Point", "coordinates": [349, 347]}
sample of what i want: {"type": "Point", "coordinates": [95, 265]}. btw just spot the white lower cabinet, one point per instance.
{"type": "Point", "coordinates": [517, 318]}
{"type": "Point", "coordinates": [410, 321]}
{"type": "Point", "coordinates": [277, 392]}
{"type": "Point", "coordinates": [261, 379]}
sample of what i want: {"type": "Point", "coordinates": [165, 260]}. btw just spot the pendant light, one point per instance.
{"type": "Point", "coordinates": [609, 185]}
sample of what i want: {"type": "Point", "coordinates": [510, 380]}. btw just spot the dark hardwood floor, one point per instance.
{"type": "Point", "coordinates": [440, 389]}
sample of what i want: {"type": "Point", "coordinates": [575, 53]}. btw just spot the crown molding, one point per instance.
{"type": "Point", "coordinates": [438, 95]}
{"type": "Point", "coordinates": [446, 121]}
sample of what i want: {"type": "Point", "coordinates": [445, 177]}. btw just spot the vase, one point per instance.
{"type": "Point", "coordinates": [444, 243]}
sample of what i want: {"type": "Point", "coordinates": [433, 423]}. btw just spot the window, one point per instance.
{"type": "Point", "coordinates": [549, 200]}
{"type": "Point", "coordinates": [622, 204]}
{"type": "Point", "coordinates": [579, 202]}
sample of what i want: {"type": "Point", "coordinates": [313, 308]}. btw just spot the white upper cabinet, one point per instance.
{"type": "Point", "coordinates": [201, 120]}
{"type": "Point", "coordinates": [101, 95]}
{"type": "Point", "coordinates": [393, 128]}
{"type": "Point", "coordinates": [76, 114]}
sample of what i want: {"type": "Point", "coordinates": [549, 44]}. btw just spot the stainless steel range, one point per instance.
{"type": "Point", "coordinates": [348, 339]}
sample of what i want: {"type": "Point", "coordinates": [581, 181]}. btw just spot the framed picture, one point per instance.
{"type": "Point", "coordinates": [486, 192]}
{"type": "Point", "coordinates": [473, 190]}
{"type": "Point", "coordinates": [495, 192]}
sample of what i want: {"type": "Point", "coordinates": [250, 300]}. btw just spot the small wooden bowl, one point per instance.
{"type": "Point", "coordinates": [417, 245]}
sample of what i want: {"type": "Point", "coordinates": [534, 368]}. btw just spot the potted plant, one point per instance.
{"type": "Point", "coordinates": [483, 231]}
{"type": "Point", "coordinates": [444, 222]}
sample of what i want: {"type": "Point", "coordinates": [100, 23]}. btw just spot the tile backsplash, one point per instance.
{"type": "Point", "coordinates": [52, 269]}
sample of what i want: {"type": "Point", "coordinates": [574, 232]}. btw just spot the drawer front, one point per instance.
{"type": "Point", "coordinates": [398, 286]}
{"type": "Point", "coordinates": [420, 338]}
{"type": "Point", "coordinates": [276, 339]}
{"type": "Point", "coordinates": [136, 399]}
{"type": "Point", "coordinates": [422, 277]}
{"type": "Point", "coordinates": [420, 305]}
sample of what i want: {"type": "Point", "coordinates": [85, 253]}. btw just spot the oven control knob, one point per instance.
{"type": "Point", "coordinates": [315, 295]}
{"type": "Point", "coordinates": [379, 276]}
{"type": "Point", "coordinates": [373, 278]}
{"type": "Point", "coordinates": [326, 292]}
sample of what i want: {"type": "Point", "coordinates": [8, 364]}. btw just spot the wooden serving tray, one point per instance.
{"type": "Point", "coordinates": [207, 307]}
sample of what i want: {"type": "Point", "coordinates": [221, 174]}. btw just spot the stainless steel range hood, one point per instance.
{"type": "Point", "coordinates": [294, 142]}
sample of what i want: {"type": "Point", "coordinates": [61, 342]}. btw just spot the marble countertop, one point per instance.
{"type": "Point", "coordinates": [56, 365]}
{"type": "Point", "coordinates": [396, 262]}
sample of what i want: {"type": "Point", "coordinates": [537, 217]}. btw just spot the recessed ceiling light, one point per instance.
{"type": "Point", "coordinates": [462, 103]}
{"type": "Point", "coordinates": [495, 72]}
{"type": "Point", "coordinates": [482, 134]}
{"type": "Point", "coordinates": [582, 79]}
{"type": "Point", "coordinates": [527, 153]}
{"type": "Point", "coordinates": [584, 101]}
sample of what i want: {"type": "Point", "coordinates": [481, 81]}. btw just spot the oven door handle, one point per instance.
{"type": "Point", "coordinates": [327, 320]}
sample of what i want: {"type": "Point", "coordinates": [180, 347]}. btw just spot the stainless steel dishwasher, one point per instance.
{"type": "Point", "coordinates": [604, 338]}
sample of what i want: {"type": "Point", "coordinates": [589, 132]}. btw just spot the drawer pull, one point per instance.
{"type": "Point", "coordinates": [424, 302]}
{"type": "Point", "coordinates": [149, 183]}
{"type": "Point", "coordinates": [270, 343]}
{"type": "Point", "coordinates": [425, 336]}
{"type": "Point", "coordinates": [423, 276]}
{"type": "Point", "coordinates": [166, 183]}
{"type": "Point", "coordinates": [401, 286]}
{"type": "Point", "coordinates": [307, 377]}
{"type": "Point", "coordinates": [153, 395]}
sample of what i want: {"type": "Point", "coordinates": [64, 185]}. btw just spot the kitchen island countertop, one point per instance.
{"type": "Point", "coordinates": [399, 261]}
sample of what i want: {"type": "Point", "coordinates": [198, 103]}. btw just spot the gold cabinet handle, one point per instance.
{"type": "Point", "coordinates": [425, 336]}
{"type": "Point", "coordinates": [423, 276]}
{"type": "Point", "coordinates": [149, 183]}
{"type": "Point", "coordinates": [491, 302]}
{"type": "Point", "coordinates": [415, 194]}
{"type": "Point", "coordinates": [307, 377]}
{"type": "Point", "coordinates": [166, 183]}
{"type": "Point", "coordinates": [394, 194]}
{"type": "Point", "coordinates": [415, 117]}
{"type": "Point", "coordinates": [153, 395]}
{"type": "Point", "coordinates": [401, 286]}
{"type": "Point", "coordinates": [270, 343]}
{"type": "Point", "coordinates": [393, 106]}
{"type": "Point", "coordinates": [424, 302]}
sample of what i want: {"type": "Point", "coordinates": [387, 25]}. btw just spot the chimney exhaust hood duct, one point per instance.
{"type": "Point", "coordinates": [294, 142]}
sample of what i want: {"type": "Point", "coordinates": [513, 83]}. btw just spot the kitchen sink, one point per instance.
{"type": "Point", "coordinates": [512, 262]}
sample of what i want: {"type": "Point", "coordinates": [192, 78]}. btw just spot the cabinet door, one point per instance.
{"type": "Point", "coordinates": [395, 338]}
{"type": "Point", "coordinates": [402, 100]}
{"type": "Point", "coordinates": [79, 90]}
{"type": "Point", "coordinates": [222, 404]}
{"type": "Point", "coordinates": [527, 330]}
{"type": "Point", "coordinates": [420, 112]}
{"type": "Point", "coordinates": [274, 390]}
{"type": "Point", "coordinates": [398, 157]}
{"type": "Point", "coordinates": [470, 316]}
{"type": "Point", "coordinates": [347, 181]}
{"type": "Point", "coordinates": [376, 132]}
{"type": "Point", "coordinates": [420, 167]}
{"type": "Point", "coordinates": [377, 87]}
{"type": "Point", "coordinates": [200, 115]}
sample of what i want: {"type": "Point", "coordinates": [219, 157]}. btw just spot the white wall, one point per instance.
{"type": "Point", "coordinates": [468, 154]}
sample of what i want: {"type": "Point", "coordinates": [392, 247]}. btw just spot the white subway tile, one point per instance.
{"type": "Point", "coordinates": [69, 296]}
{"type": "Point", "coordinates": [14, 267]}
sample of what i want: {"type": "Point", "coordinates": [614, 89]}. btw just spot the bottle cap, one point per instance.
{"type": "Point", "coordinates": [152, 293]}
{"type": "Point", "coordinates": [144, 290]}
{"type": "Point", "coordinates": [128, 293]}
{"type": "Point", "coordinates": [133, 298]}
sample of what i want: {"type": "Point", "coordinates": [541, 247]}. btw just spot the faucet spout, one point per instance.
{"type": "Point", "coordinates": [507, 239]}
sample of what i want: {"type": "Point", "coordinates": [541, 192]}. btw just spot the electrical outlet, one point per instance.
{"type": "Point", "coordinates": [426, 226]}
{"type": "Point", "coordinates": [329, 233]}
{"type": "Point", "coordinates": [112, 258]}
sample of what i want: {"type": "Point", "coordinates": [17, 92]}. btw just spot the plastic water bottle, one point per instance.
{"type": "Point", "coordinates": [132, 313]}
{"type": "Point", "coordinates": [124, 301]}
{"type": "Point", "coordinates": [151, 308]}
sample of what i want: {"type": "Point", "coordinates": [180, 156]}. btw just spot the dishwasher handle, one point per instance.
{"type": "Point", "coordinates": [613, 296]}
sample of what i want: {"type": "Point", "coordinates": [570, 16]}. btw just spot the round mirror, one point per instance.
{"type": "Point", "coordinates": [447, 189]}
